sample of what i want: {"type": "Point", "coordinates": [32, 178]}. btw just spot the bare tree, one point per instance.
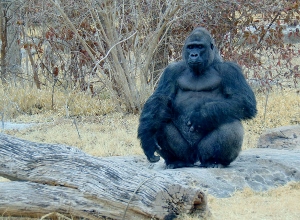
{"type": "Point", "coordinates": [123, 46]}
{"type": "Point", "coordinates": [112, 42]}
{"type": "Point", "coordinates": [10, 52]}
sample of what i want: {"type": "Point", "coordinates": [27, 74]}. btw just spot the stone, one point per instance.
{"type": "Point", "coordinates": [258, 169]}
{"type": "Point", "coordinates": [275, 162]}
{"type": "Point", "coordinates": [286, 137]}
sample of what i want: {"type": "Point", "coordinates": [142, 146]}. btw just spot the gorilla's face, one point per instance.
{"type": "Point", "coordinates": [198, 51]}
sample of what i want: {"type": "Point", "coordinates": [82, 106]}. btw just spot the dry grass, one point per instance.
{"type": "Point", "coordinates": [108, 135]}
{"type": "Point", "coordinates": [282, 108]}
{"type": "Point", "coordinates": [115, 134]}
{"type": "Point", "coordinates": [23, 101]}
{"type": "Point", "coordinates": [278, 108]}
{"type": "Point", "coordinates": [280, 203]}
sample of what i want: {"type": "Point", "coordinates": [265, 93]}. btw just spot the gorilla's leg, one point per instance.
{"type": "Point", "coordinates": [221, 146]}
{"type": "Point", "coordinates": [176, 151]}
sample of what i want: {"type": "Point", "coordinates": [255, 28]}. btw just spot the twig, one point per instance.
{"type": "Point", "coordinates": [137, 188]}
{"type": "Point", "coordinates": [2, 119]}
{"type": "Point", "coordinates": [262, 37]}
{"type": "Point", "coordinates": [52, 97]}
{"type": "Point", "coordinates": [74, 121]}
{"type": "Point", "coordinates": [266, 103]}
{"type": "Point", "coordinates": [55, 214]}
{"type": "Point", "coordinates": [67, 108]}
{"type": "Point", "coordinates": [111, 49]}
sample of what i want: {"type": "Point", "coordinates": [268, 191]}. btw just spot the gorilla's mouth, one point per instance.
{"type": "Point", "coordinates": [195, 63]}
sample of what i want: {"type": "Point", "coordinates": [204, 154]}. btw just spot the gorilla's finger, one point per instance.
{"type": "Point", "coordinates": [157, 146]}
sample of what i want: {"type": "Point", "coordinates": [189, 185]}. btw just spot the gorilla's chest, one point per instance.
{"type": "Point", "coordinates": [192, 93]}
{"type": "Point", "coordinates": [195, 89]}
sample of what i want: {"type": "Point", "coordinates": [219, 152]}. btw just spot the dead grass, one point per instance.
{"type": "Point", "coordinates": [115, 134]}
{"type": "Point", "coordinates": [108, 135]}
{"type": "Point", "coordinates": [280, 203]}
{"type": "Point", "coordinates": [18, 101]}
{"type": "Point", "coordinates": [96, 132]}
{"type": "Point", "coordinates": [278, 108]}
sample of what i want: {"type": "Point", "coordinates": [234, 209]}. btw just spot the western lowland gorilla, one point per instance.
{"type": "Point", "coordinates": [196, 110]}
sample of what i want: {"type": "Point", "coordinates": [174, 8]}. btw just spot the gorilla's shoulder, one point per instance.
{"type": "Point", "coordinates": [227, 68]}
{"type": "Point", "coordinates": [176, 66]}
{"type": "Point", "coordinates": [174, 70]}
{"type": "Point", "coordinates": [227, 64]}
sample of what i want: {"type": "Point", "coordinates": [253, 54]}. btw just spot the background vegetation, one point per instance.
{"type": "Point", "coordinates": [116, 49]}
{"type": "Point", "coordinates": [84, 68]}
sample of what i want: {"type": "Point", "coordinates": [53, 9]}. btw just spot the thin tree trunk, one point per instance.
{"type": "Point", "coordinates": [3, 35]}
{"type": "Point", "coordinates": [33, 65]}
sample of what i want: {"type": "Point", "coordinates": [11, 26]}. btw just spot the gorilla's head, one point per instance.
{"type": "Point", "coordinates": [199, 50]}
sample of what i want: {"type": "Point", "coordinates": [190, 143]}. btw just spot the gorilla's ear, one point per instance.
{"type": "Point", "coordinates": [212, 46]}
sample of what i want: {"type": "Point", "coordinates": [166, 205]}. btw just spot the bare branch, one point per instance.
{"type": "Point", "coordinates": [98, 62]}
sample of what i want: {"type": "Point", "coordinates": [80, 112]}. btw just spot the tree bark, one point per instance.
{"type": "Point", "coordinates": [56, 178]}
{"type": "Point", "coordinates": [3, 38]}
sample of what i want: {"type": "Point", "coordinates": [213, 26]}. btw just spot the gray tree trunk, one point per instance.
{"type": "Point", "coordinates": [3, 38]}
{"type": "Point", "coordinates": [56, 178]}
{"type": "Point", "coordinates": [9, 51]}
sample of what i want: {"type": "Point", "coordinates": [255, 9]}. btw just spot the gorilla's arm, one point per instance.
{"type": "Point", "coordinates": [157, 111]}
{"type": "Point", "coordinates": [238, 104]}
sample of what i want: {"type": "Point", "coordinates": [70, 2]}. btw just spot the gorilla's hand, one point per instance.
{"type": "Point", "coordinates": [200, 121]}
{"type": "Point", "coordinates": [152, 158]}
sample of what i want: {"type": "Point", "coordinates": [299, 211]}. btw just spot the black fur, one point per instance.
{"type": "Point", "coordinates": [195, 112]}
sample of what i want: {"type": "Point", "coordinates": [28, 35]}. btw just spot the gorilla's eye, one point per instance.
{"type": "Point", "coordinates": [193, 46]}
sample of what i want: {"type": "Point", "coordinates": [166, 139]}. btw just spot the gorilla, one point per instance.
{"type": "Point", "coordinates": [195, 113]}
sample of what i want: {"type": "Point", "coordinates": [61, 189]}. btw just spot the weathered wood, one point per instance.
{"type": "Point", "coordinates": [57, 178]}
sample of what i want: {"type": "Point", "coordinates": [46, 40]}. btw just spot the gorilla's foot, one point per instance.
{"type": "Point", "coordinates": [212, 165]}
{"type": "Point", "coordinates": [178, 164]}
{"type": "Point", "coordinates": [153, 159]}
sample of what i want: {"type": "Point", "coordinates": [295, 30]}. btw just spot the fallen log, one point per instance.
{"type": "Point", "coordinates": [57, 178]}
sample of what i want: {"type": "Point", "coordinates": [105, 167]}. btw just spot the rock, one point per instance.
{"type": "Point", "coordinates": [286, 137]}
{"type": "Point", "coordinates": [275, 162]}
{"type": "Point", "coordinates": [258, 169]}
{"type": "Point", "coordinates": [16, 126]}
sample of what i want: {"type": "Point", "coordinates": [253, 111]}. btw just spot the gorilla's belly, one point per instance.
{"type": "Point", "coordinates": [186, 102]}
{"type": "Point", "coordinates": [192, 137]}
{"type": "Point", "coordinates": [184, 109]}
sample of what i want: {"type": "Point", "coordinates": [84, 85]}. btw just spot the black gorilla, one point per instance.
{"type": "Point", "coordinates": [195, 112]}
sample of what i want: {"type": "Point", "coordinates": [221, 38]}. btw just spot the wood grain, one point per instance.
{"type": "Point", "coordinates": [57, 178]}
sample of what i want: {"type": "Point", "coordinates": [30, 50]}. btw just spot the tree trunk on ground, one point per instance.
{"type": "Point", "coordinates": [56, 178]}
